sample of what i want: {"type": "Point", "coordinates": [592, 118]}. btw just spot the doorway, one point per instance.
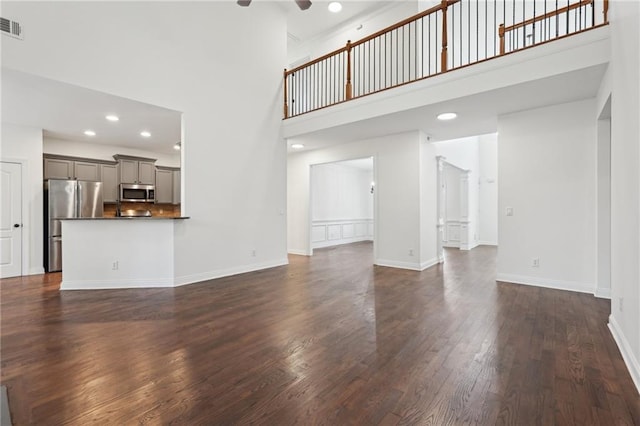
{"type": "Point", "coordinates": [10, 219]}
{"type": "Point", "coordinates": [342, 203]}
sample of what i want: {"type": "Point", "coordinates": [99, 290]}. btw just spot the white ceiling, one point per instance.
{"type": "Point", "coordinates": [317, 21]}
{"type": "Point", "coordinates": [65, 111]}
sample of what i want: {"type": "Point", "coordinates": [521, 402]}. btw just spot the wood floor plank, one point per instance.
{"type": "Point", "coordinates": [327, 340]}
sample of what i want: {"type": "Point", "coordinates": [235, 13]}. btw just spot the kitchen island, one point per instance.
{"type": "Point", "coordinates": [118, 252]}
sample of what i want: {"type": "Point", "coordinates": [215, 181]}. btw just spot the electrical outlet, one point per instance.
{"type": "Point", "coordinates": [115, 266]}
{"type": "Point", "coordinates": [620, 304]}
{"type": "Point", "coordinates": [410, 252]}
{"type": "Point", "coordinates": [535, 262]}
{"type": "Point", "coordinates": [509, 211]}
{"type": "Point", "coordinates": [253, 253]}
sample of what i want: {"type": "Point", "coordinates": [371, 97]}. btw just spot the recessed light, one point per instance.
{"type": "Point", "coordinates": [334, 7]}
{"type": "Point", "coordinates": [145, 134]}
{"type": "Point", "coordinates": [447, 116]}
{"type": "Point", "coordinates": [112, 117]}
{"type": "Point", "coordinates": [297, 146]}
{"type": "Point", "coordinates": [89, 133]}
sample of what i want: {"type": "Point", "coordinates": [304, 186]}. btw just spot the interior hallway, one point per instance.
{"type": "Point", "coordinates": [328, 339]}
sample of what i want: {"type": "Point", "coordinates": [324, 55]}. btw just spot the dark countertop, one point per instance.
{"type": "Point", "coordinates": [126, 218]}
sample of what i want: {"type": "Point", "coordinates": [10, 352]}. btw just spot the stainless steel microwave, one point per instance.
{"type": "Point", "coordinates": [135, 193]}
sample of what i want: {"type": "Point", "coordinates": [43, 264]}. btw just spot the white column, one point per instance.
{"type": "Point", "coordinates": [465, 223]}
{"type": "Point", "coordinates": [441, 209]}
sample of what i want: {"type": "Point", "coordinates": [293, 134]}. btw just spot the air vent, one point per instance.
{"type": "Point", "coordinates": [11, 28]}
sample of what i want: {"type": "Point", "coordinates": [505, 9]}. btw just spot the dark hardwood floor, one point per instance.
{"type": "Point", "coordinates": [326, 340]}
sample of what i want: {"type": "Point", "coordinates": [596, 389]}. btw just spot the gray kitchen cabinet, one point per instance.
{"type": "Point", "coordinates": [136, 169]}
{"type": "Point", "coordinates": [176, 187]}
{"type": "Point", "coordinates": [164, 186]}
{"type": "Point", "coordinates": [86, 171]}
{"type": "Point", "coordinates": [146, 172]}
{"type": "Point", "coordinates": [128, 171]}
{"type": "Point", "coordinates": [109, 173]}
{"type": "Point", "coordinates": [56, 168]}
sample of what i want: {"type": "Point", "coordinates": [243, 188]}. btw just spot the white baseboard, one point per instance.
{"type": "Point", "coordinates": [466, 247]}
{"type": "Point", "coordinates": [487, 243]}
{"type": "Point", "coordinates": [625, 349]}
{"type": "Point", "coordinates": [547, 283]}
{"type": "Point", "coordinates": [299, 252]}
{"type": "Point", "coordinates": [429, 263]}
{"type": "Point", "coordinates": [114, 284]}
{"type": "Point", "coordinates": [332, 243]}
{"type": "Point", "coordinates": [406, 265]}
{"type": "Point", "coordinates": [220, 273]}
{"type": "Point", "coordinates": [603, 293]}
{"type": "Point", "coordinates": [36, 270]}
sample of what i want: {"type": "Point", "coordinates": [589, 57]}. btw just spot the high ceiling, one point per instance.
{"type": "Point", "coordinates": [65, 111]}
{"type": "Point", "coordinates": [318, 21]}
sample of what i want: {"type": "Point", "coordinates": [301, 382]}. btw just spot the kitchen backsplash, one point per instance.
{"type": "Point", "coordinates": [157, 210]}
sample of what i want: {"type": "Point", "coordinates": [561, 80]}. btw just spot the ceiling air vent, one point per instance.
{"type": "Point", "coordinates": [11, 28]}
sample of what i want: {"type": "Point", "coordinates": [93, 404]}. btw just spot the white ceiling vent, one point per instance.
{"type": "Point", "coordinates": [11, 28]}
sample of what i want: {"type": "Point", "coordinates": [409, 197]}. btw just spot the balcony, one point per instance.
{"type": "Point", "coordinates": [451, 36]}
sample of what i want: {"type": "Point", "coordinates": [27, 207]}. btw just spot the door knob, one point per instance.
{"type": "Point", "coordinates": [16, 225]}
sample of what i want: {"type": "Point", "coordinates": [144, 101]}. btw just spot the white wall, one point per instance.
{"type": "Point", "coordinates": [625, 182]}
{"type": "Point", "coordinates": [397, 196]}
{"type": "Point", "coordinates": [341, 192]}
{"type": "Point", "coordinates": [547, 168]}
{"type": "Point", "coordinates": [479, 154]}
{"type": "Point", "coordinates": [452, 193]}
{"type": "Point", "coordinates": [488, 190]}
{"type": "Point", "coordinates": [24, 144]}
{"type": "Point", "coordinates": [104, 152]}
{"type": "Point", "coordinates": [429, 234]}
{"type": "Point", "coordinates": [342, 204]}
{"type": "Point", "coordinates": [604, 206]}
{"type": "Point", "coordinates": [230, 94]}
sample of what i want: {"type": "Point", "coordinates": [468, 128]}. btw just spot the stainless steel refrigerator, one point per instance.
{"type": "Point", "coordinates": [66, 199]}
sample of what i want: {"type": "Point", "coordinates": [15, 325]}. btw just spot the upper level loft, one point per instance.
{"type": "Point", "coordinates": [450, 36]}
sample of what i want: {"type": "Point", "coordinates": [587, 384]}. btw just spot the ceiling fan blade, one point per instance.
{"type": "Point", "coordinates": [303, 4]}
{"type": "Point", "coordinates": [244, 3]}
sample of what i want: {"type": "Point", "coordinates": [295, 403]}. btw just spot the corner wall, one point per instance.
{"type": "Point", "coordinates": [547, 169]}
{"type": "Point", "coordinates": [625, 182]}
{"type": "Point", "coordinates": [397, 197]}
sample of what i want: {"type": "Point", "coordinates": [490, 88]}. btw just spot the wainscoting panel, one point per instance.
{"type": "Point", "coordinates": [348, 230]}
{"type": "Point", "coordinates": [334, 232]}
{"type": "Point", "coordinates": [318, 233]}
{"type": "Point", "coordinates": [325, 233]}
{"type": "Point", "coordinates": [452, 234]}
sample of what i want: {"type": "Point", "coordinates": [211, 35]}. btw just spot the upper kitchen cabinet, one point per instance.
{"type": "Point", "coordinates": [109, 174]}
{"type": "Point", "coordinates": [136, 169]}
{"type": "Point", "coordinates": [56, 168]}
{"type": "Point", "coordinates": [164, 185]}
{"type": "Point", "coordinates": [167, 179]}
{"type": "Point", "coordinates": [176, 186]}
{"type": "Point", "coordinates": [86, 171]}
{"type": "Point", "coordinates": [59, 167]}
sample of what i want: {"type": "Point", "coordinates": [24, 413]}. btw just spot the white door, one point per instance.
{"type": "Point", "coordinates": [10, 219]}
